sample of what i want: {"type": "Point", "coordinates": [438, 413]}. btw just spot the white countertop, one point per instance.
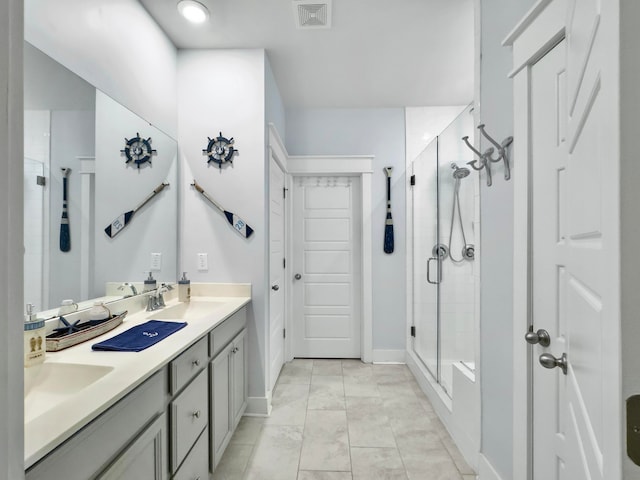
{"type": "Point", "coordinates": [45, 432]}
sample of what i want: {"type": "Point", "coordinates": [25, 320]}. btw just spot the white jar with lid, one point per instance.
{"type": "Point", "coordinates": [67, 306]}
{"type": "Point", "coordinates": [99, 311]}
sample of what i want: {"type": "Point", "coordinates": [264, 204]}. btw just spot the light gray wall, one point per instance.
{"type": "Point", "coordinates": [50, 86]}
{"type": "Point", "coordinates": [497, 18]}
{"type": "Point", "coordinates": [115, 46]}
{"type": "Point", "coordinates": [120, 187]}
{"type": "Point", "coordinates": [11, 242]}
{"type": "Point", "coordinates": [380, 132]}
{"type": "Point", "coordinates": [230, 100]}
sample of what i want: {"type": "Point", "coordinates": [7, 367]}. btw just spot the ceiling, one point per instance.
{"type": "Point", "coordinates": [377, 53]}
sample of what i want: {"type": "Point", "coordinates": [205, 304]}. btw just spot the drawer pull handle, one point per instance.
{"type": "Point", "coordinates": [196, 363]}
{"type": "Point", "coordinates": [196, 414]}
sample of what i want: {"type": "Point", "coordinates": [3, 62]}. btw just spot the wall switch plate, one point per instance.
{"type": "Point", "coordinates": [203, 262]}
{"type": "Point", "coordinates": [156, 261]}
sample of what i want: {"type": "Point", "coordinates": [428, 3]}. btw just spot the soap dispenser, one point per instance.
{"type": "Point", "coordinates": [150, 283]}
{"type": "Point", "coordinates": [184, 288]}
{"type": "Point", "coordinates": [34, 338]}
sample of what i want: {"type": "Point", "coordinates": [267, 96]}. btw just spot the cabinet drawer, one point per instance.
{"type": "Point", "coordinates": [196, 465]}
{"type": "Point", "coordinates": [187, 365]}
{"type": "Point", "coordinates": [189, 417]}
{"type": "Point", "coordinates": [224, 333]}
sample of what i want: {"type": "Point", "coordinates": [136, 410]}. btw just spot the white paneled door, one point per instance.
{"type": "Point", "coordinates": [326, 267]}
{"type": "Point", "coordinates": [276, 269]}
{"type": "Point", "coordinates": [572, 297]}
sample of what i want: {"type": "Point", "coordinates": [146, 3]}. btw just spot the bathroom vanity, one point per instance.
{"type": "Point", "coordinates": [166, 412]}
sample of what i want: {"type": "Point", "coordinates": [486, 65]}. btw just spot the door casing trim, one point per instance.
{"type": "Point", "coordinates": [344, 165]}
{"type": "Point", "coordinates": [536, 34]}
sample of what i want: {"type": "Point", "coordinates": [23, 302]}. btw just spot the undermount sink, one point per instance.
{"type": "Point", "coordinates": [186, 311]}
{"type": "Point", "coordinates": [47, 384]}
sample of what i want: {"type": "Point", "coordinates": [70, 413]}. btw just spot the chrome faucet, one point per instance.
{"type": "Point", "coordinates": [155, 300]}
{"type": "Point", "coordinates": [131, 286]}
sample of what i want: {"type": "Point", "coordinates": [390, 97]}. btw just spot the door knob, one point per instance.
{"type": "Point", "coordinates": [275, 287]}
{"type": "Point", "coordinates": [549, 361]}
{"type": "Point", "coordinates": [297, 276]}
{"type": "Point", "coordinates": [541, 336]}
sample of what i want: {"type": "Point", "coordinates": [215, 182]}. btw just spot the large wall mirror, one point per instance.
{"type": "Point", "coordinates": [68, 124]}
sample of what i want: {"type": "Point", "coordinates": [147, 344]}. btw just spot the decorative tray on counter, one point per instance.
{"type": "Point", "coordinates": [73, 334]}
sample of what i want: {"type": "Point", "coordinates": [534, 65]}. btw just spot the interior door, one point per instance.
{"type": "Point", "coordinates": [326, 244]}
{"type": "Point", "coordinates": [276, 269]}
{"type": "Point", "coordinates": [570, 292]}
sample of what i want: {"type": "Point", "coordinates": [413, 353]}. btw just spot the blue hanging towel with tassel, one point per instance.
{"type": "Point", "coordinates": [140, 337]}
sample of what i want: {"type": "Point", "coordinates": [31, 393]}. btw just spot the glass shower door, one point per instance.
{"type": "Point", "coordinates": [426, 270]}
{"type": "Point", "coordinates": [456, 186]}
{"type": "Point", "coordinates": [444, 276]}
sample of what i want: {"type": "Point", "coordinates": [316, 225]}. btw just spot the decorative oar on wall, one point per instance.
{"type": "Point", "coordinates": [235, 221]}
{"type": "Point", "coordinates": [65, 234]}
{"type": "Point", "coordinates": [388, 227]}
{"type": "Point", "coordinates": [123, 220]}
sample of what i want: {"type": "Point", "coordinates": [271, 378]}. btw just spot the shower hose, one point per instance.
{"type": "Point", "coordinates": [456, 205]}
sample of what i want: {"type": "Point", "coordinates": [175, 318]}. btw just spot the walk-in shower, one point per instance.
{"type": "Point", "coordinates": [444, 274]}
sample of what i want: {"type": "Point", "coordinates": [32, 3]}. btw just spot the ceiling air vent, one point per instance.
{"type": "Point", "coordinates": [312, 14]}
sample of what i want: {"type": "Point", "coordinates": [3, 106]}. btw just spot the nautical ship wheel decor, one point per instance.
{"type": "Point", "coordinates": [138, 150]}
{"type": "Point", "coordinates": [220, 150]}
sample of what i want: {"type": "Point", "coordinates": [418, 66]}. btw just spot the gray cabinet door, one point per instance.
{"type": "Point", "coordinates": [145, 458]}
{"type": "Point", "coordinates": [239, 376]}
{"type": "Point", "coordinates": [220, 372]}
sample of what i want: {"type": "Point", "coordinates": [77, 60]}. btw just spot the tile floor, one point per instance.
{"type": "Point", "coordinates": [344, 420]}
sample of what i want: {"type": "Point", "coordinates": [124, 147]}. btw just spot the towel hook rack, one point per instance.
{"type": "Point", "coordinates": [502, 150]}
{"type": "Point", "coordinates": [482, 160]}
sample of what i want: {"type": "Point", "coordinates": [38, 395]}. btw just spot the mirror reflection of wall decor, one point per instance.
{"type": "Point", "coordinates": [65, 235]}
{"type": "Point", "coordinates": [220, 150]}
{"type": "Point", "coordinates": [123, 220]}
{"type": "Point", "coordinates": [70, 124]}
{"type": "Point", "coordinates": [138, 150]}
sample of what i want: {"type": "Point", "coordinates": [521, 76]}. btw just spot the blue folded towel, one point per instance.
{"type": "Point", "coordinates": [140, 337]}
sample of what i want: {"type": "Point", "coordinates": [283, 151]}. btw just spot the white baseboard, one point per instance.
{"type": "Point", "coordinates": [486, 470]}
{"type": "Point", "coordinates": [258, 407]}
{"type": "Point", "coordinates": [389, 356]}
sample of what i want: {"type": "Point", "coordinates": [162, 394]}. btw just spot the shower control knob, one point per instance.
{"type": "Point", "coordinates": [549, 361]}
{"type": "Point", "coordinates": [541, 337]}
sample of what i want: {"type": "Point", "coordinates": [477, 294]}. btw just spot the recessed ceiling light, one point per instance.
{"type": "Point", "coordinates": [193, 11]}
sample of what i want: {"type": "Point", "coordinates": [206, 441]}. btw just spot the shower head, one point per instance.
{"type": "Point", "coordinates": [458, 172]}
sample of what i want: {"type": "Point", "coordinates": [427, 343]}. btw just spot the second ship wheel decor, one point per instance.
{"type": "Point", "coordinates": [220, 150]}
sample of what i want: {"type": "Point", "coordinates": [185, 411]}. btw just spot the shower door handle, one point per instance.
{"type": "Point", "coordinates": [429, 271]}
